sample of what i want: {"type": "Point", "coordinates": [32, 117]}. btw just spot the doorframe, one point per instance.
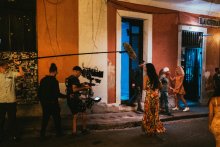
{"type": "Point", "coordinates": [195, 29]}
{"type": "Point", "coordinates": [147, 43]}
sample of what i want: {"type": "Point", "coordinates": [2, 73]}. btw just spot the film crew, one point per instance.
{"type": "Point", "coordinates": [137, 88]}
{"type": "Point", "coordinates": [8, 99]}
{"type": "Point", "coordinates": [48, 93]}
{"type": "Point", "coordinates": [74, 101]}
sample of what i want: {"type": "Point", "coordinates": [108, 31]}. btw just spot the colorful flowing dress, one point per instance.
{"type": "Point", "coordinates": [215, 125]}
{"type": "Point", "coordinates": [179, 89]}
{"type": "Point", "coordinates": [151, 123]}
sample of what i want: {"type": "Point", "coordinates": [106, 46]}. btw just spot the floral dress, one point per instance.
{"type": "Point", "coordinates": [151, 123]}
{"type": "Point", "coordinates": [179, 89]}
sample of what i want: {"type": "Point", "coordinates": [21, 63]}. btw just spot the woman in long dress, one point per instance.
{"type": "Point", "coordinates": [151, 123]}
{"type": "Point", "coordinates": [179, 90]}
{"type": "Point", "coordinates": [214, 118]}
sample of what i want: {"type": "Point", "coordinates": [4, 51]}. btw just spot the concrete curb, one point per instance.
{"type": "Point", "coordinates": [31, 125]}
{"type": "Point", "coordinates": [131, 124]}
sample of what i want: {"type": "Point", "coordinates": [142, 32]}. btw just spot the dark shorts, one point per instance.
{"type": "Point", "coordinates": [76, 105]}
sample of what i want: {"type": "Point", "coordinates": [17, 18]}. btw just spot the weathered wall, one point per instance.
{"type": "Point", "coordinates": [111, 24]}
{"type": "Point", "coordinates": [57, 33]}
{"type": "Point", "coordinates": [165, 41]}
{"type": "Point", "coordinates": [93, 38]}
{"type": "Point", "coordinates": [213, 50]}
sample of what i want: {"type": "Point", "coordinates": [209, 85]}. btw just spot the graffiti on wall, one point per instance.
{"type": "Point", "coordinates": [26, 86]}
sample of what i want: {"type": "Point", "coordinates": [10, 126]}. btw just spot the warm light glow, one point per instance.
{"type": "Point", "coordinates": [216, 37]}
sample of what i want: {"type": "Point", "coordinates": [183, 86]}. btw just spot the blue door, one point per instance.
{"type": "Point", "coordinates": [132, 32]}
{"type": "Point", "coordinates": [192, 63]}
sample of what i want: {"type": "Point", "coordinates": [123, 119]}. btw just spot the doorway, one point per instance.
{"type": "Point", "coordinates": [132, 33]}
{"type": "Point", "coordinates": [191, 61]}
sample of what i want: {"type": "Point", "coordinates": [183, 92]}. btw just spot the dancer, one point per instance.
{"type": "Point", "coordinates": [214, 118]}
{"type": "Point", "coordinates": [178, 89]}
{"type": "Point", "coordinates": [151, 123]}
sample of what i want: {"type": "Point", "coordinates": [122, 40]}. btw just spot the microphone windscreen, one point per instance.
{"type": "Point", "coordinates": [130, 51]}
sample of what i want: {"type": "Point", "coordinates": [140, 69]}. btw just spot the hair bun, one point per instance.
{"type": "Point", "coordinates": [53, 67]}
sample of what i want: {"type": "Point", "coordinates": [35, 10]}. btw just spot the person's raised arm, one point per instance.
{"type": "Point", "coordinates": [20, 70]}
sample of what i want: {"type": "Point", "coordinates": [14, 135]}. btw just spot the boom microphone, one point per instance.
{"type": "Point", "coordinates": [129, 50]}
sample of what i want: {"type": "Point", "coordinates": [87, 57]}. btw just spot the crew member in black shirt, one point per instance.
{"type": "Point", "coordinates": [49, 93]}
{"type": "Point", "coordinates": [74, 101]}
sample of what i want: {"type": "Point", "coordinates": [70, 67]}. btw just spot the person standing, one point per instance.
{"type": "Point", "coordinates": [214, 117]}
{"type": "Point", "coordinates": [151, 123]}
{"type": "Point", "coordinates": [8, 98]}
{"type": "Point", "coordinates": [48, 93]}
{"type": "Point", "coordinates": [164, 79]}
{"type": "Point", "coordinates": [75, 103]}
{"type": "Point", "coordinates": [178, 89]}
{"type": "Point", "coordinates": [216, 80]}
{"type": "Point", "coordinates": [136, 88]}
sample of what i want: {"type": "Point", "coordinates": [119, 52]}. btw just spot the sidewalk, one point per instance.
{"type": "Point", "coordinates": [133, 119]}
{"type": "Point", "coordinates": [105, 121]}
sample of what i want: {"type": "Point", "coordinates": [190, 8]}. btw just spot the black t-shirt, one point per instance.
{"type": "Point", "coordinates": [71, 80]}
{"type": "Point", "coordinates": [49, 90]}
{"type": "Point", "coordinates": [216, 78]}
{"type": "Point", "coordinates": [137, 78]}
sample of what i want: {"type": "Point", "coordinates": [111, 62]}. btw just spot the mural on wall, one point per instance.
{"type": "Point", "coordinates": [26, 87]}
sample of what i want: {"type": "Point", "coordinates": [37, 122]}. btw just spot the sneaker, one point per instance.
{"type": "Point", "coordinates": [175, 108]}
{"type": "Point", "coordinates": [140, 110]}
{"type": "Point", "coordinates": [186, 109]}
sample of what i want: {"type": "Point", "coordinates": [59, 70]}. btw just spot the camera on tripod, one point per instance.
{"type": "Point", "coordinates": [90, 73]}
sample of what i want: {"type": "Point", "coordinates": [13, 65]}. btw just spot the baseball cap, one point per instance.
{"type": "Point", "coordinates": [166, 69]}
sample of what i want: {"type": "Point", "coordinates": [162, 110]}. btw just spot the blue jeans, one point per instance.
{"type": "Point", "coordinates": [164, 100]}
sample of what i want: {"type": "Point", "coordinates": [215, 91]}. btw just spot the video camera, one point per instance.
{"type": "Point", "coordinates": [90, 73]}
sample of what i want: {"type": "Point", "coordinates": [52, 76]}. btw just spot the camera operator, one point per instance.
{"type": "Point", "coordinates": [74, 101]}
